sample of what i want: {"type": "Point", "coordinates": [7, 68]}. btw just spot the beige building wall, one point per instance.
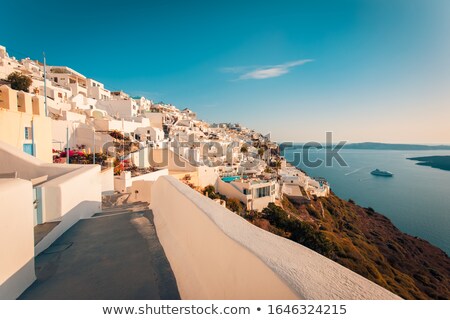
{"type": "Point", "coordinates": [16, 237]}
{"type": "Point", "coordinates": [20, 110]}
{"type": "Point", "coordinates": [207, 176]}
{"type": "Point", "coordinates": [8, 98]}
{"type": "Point", "coordinates": [12, 131]}
{"type": "Point", "coordinates": [38, 105]}
{"type": "Point", "coordinates": [156, 119]}
{"type": "Point", "coordinates": [24, 103]}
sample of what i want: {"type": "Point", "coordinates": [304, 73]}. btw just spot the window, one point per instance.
{"type": "Point", "coordinates": [59, 95]}
{"type": "Point", "coordinates": [55, 79]}
{"type": "Point", "coordinates": [263, 192]}
{"type": "Point", "coordinates": [28, 133]}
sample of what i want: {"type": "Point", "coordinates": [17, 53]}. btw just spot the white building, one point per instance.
{"type": "Point", "coordinates": [96, 90]}
{"type": "Point", "coordinates": [293, 179]}
{"type": "Point", "coordinates": [254, 193]}
{"type": "Point", "coordinates": [188, 114]}
{"type": "Point", "coordinates": [156, 119]}
{"type": "Point", "coordinates": [143, 104]}
{"type": "Point", "coordinates": [7, 64]}
{"type": "Point", "coordinates": [68, 78]}
{"type": "Point", "coordinates": [124, 108]}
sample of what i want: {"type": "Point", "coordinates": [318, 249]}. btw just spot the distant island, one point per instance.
{"type": "Point", "coordinates": [438, 162]}
{"type": "Point", "coordinates": [369, 146]}
{"type": "Point", "coordinates": [394, 146]}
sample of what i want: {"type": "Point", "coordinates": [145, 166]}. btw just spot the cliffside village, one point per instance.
{"type": "Point", "coordinates": [66, 117]}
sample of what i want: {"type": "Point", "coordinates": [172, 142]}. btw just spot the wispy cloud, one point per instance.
{"type": "Point", "coordinates": [264, 72]}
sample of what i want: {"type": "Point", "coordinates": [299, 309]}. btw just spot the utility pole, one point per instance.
{"type": "Point", "coordinates": [67, 145]}
{"type": "Point", "coordinates": [45, 85]}
{"type": "Point", "coordinates": [94, 149]}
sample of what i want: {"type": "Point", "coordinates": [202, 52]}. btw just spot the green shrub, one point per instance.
{"type": "Point", "coordinates": [235, 205]}
{"type": "Point", "coordinates": [20, 81]}
{"type": "Point", "coordinates": [301, 232]}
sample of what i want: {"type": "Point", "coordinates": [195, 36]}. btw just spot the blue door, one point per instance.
{"type": "Point", "coordinates": [28, 148]}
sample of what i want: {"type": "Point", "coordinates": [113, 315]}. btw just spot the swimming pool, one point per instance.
{"type": "Point", "coordinates": [232, 178]}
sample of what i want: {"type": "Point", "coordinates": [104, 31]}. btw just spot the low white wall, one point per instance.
{"type": "Point", "coordinates": [207, 263]}
{"type": "Point", "coordinates": [140, 191]}
{"type": "Point", "coordinates": [126, 126]}
{"type": "Point", "coordinates": [141, 186]}
{"type": "Point", "coordinates": [152, 176]}
{"type": "Point", "coordinates": [216, 254]}
{"type": "Point", "coordinates": [124, 182]}
{"type": "Point", "coordinates": [73, 116]}
{"type": "Point", "coordinates": [107, 178]}
{"type": "Point", "coordinates": [69, 198]}
{"type": "Point", "coordinates": [27, 166]}
{"type": "Point", "coordinates": [16, 237]}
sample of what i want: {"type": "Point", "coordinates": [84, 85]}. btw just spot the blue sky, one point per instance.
{"type": "Point", "coordinates": [368, 70]}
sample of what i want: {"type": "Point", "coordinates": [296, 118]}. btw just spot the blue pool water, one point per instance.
{"type": "Point", "coordinates": [229, 179]}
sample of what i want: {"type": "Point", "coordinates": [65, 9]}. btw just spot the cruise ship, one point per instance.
{"type": "Point", "coordinates": [382, 173]}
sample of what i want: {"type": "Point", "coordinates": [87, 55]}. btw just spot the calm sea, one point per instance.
{"type": "Point", "coordinates": [416, 198]}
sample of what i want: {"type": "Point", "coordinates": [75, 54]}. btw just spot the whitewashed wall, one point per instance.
{"type": "Point", "coordinates": [16, 237]}
{"type": "Point", "coordinates": [206, 262]}
{"type": "Point", "coordinates": [215, 254]}
{"type": "Point", "coordinates": [69, 198]}
{"type": "Point", "coordinates": [107, 178]}
{"type": "Point", "coordinates": [72, 192]}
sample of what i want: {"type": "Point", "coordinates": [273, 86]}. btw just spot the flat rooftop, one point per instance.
{"type": "Point", "coordinates": [115, 255]}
